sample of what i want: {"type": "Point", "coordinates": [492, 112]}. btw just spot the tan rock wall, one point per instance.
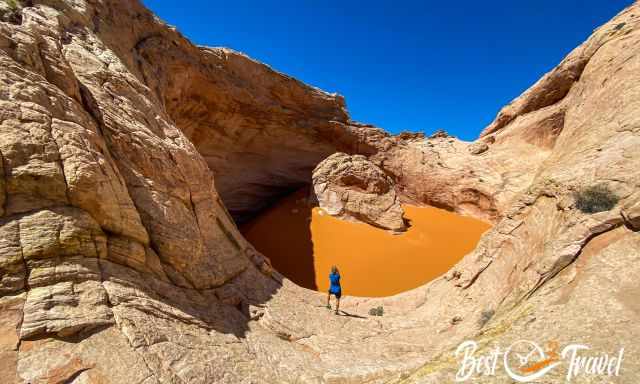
{"type": "Point", "coordinates": [119, 262]}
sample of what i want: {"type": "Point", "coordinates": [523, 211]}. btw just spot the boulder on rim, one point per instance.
{"type": "Point", "coordinates": [351, 187]}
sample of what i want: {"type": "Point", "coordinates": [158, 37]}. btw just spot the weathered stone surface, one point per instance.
{"type": "Point", "coordinates": [64, 309]}
{"type": "Point", "coordinates": [13, 271]}
{"type": "Point", "coordinates": [442, 172]}
{"type": "Point", "coordinates": [557, 313]}
{"type": "Point", "coordinates": [478, 148]}
{"type": "Point", "coordinates": [66, 141]}
{"type": "Point", "coordinates": [236, 111]}
{"type": "Point", "coordinates": [352, 187]}
{"type": "Point", "coordinates": [59, 232]}
{"type": "Point", "coordinates": [102, 357]}
{"type": "Point", "coordinates": [631, 214]}
{"type": "Point", "coordinates": [119, 262]}
{"type": "Point", "coordinates": [10, 318]}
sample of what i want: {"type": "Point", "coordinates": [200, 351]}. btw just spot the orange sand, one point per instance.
{"type": "Point", "coordinates": [303, 243]}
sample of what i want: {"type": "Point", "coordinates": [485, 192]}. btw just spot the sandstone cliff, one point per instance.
{"type": "Point", "coordinates": [119, 262]}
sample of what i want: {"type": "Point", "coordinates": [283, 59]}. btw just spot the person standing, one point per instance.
{"type": "Point", "coordinates": [335, 288]}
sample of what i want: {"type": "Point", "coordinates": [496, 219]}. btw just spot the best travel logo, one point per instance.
{"type": "Point", "coordinates": [525, 361]}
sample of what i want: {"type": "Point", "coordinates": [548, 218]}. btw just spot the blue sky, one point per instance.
{"type": "Point", "coordinates": [402, 65]}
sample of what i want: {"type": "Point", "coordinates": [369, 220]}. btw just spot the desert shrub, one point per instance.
{"type": "Point", "coordinates": [597, 198]}
{"type": "Point", "coordinates": [12, 12]}
{"type": "Point", "coordinates": [379, 311]}
{"type": "Point", "coordinates": [485, 316]}
{"type": "Point", "coordinates": [13, 4]}
{"type": "Point", "coordinates": [284, 336]}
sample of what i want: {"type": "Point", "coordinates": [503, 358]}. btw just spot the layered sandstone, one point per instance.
{"type": "Point", "coordinates": [353, 188]}
{"type": "Point", "coordinates": [120, 264]}
{"type": "Point", "coordinates": [260, 131]}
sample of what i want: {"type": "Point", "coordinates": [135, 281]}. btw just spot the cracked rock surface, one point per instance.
{"type": "Point", "coordinates": [120, 262]}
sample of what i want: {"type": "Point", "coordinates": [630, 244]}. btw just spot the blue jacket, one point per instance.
{"type": "Point", "coordinates": [335, 283]}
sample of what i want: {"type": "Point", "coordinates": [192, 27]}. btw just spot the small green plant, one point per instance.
{"type": "Point", "coordinates": [11, 13]}
{"type": "Point", "coordinates": [485, 316]}
{"type": "Point", "coordinates": [379, 311]}
{"type": "Point", "coordinates": [597, 198]}
{"type": "Point", "coordinates": [13, 4]}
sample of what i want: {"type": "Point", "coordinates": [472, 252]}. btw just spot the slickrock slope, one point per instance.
{"type": "Point", "coordinates": [549, 271]}
{"type": "Point", "coordinates": [120, 264]}
{"type": "Point", "coordinates": [353, 188]}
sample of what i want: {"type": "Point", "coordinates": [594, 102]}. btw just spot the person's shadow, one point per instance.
{"type": "Point", "coordinates": [347, 314]}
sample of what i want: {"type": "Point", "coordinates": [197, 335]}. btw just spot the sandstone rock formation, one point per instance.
{"type": "Point", "coordinates": [352, 187]}
{"type": "Point", "coordinates": [120, 264]}
{"type": "Point", "coordinates": [261, 132]}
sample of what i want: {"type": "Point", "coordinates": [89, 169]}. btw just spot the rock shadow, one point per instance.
{"type": "Point", "coordinates": [290, 248]}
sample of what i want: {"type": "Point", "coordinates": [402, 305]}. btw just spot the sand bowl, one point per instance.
{"type": "Point", "coordinates": [303, 243]}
